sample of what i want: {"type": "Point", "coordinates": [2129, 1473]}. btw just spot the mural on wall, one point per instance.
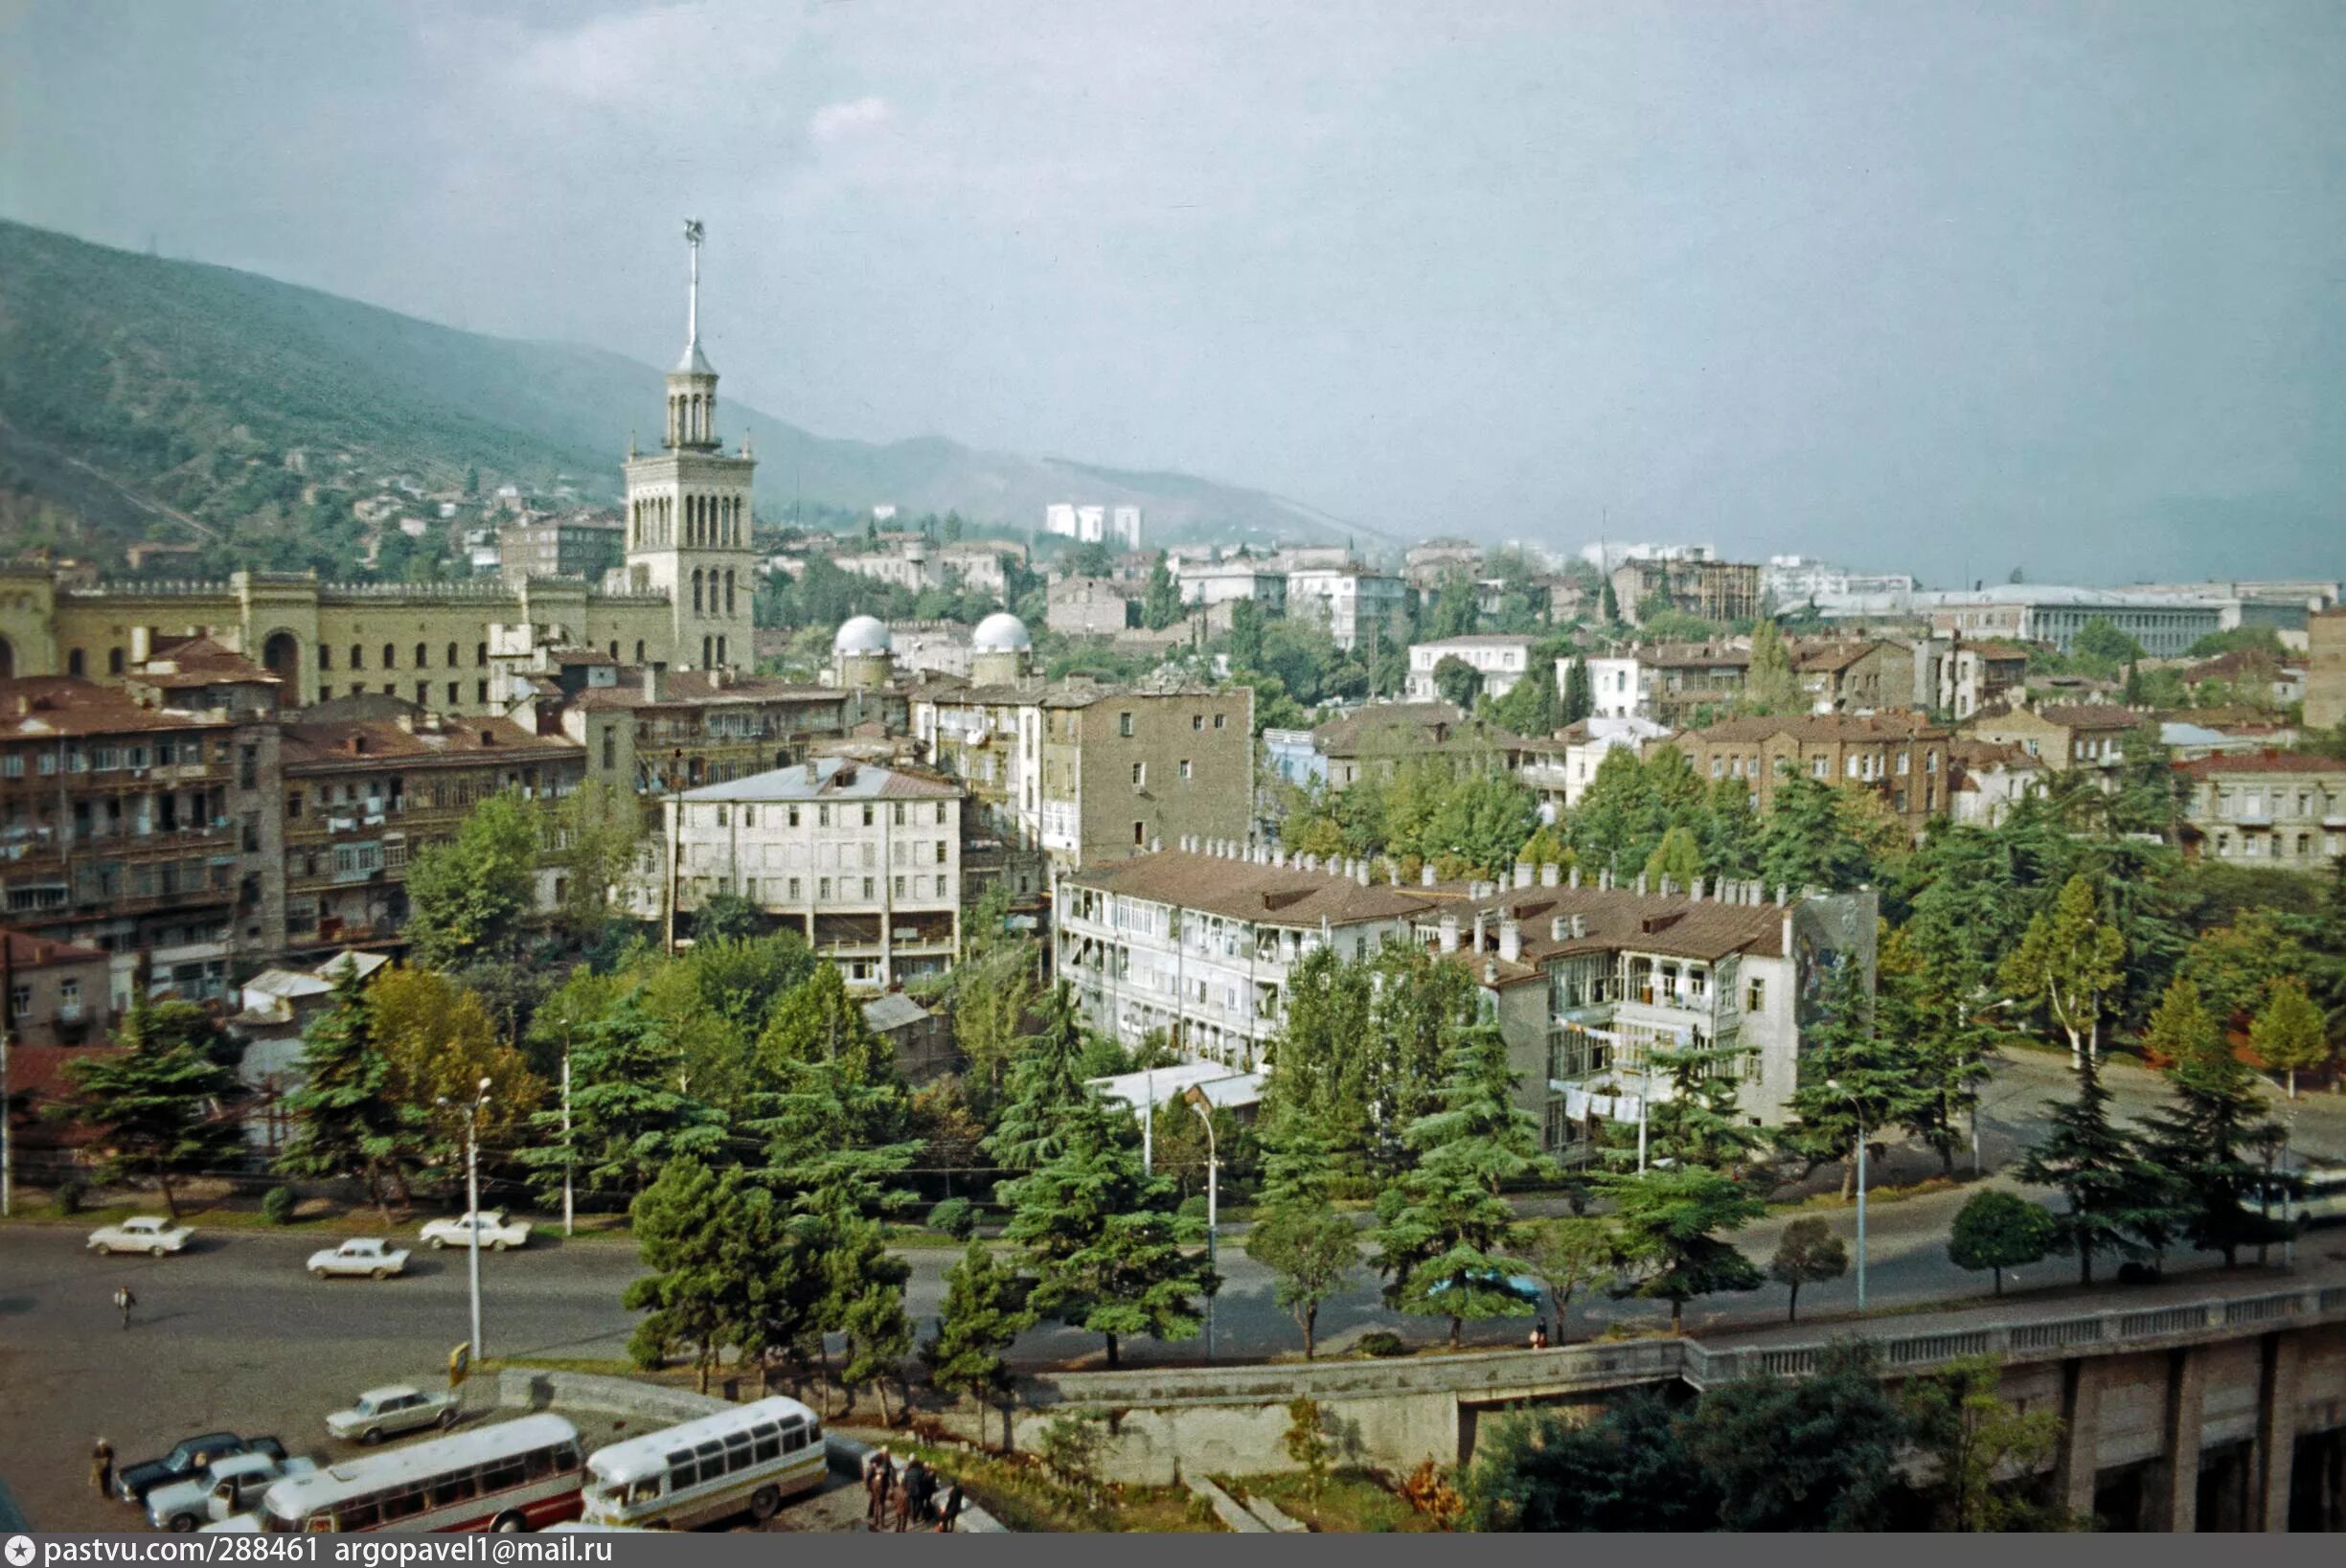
{"type": "Point", "coordinates": [1827, 932]}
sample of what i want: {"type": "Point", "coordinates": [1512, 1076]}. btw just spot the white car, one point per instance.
{"type": "Point", "coordinates": [381, 1412]}
{"type": "Point", "coordinates": [367, 1255]}
{"type": "Point", "coordinates": [497, 1233]}
{"type": "Point", "coordinates": [141, 1233]}
{"type": "Point", "coordinates": [226, 1487]}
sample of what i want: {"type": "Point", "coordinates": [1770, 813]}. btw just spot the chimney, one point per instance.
{"type": "Point", "coordinates": [1425, 875]}
{"type": "Point", "coordinates": [1490, 971]}
{"type": "Point", "coordinates": [1361, 873]}
{"type": "Point", "coordinates": [1393, 872]}
{"type": "Point", "coordinates": [1523, 874]}
{"type": "Point", "coordinates": [1782, 898]}
{"type": "Point", "coordinates": [1550, 874]}
{"type": "Point", "coordinates": [406, 719]}
{"type": "Point", "coordinates": [1669, 885]}
{"type": "Point", "coordinates": [810, 772]}
{"type": "Point", "coordinates": [1573, 879]}
{"type": "Point", "coordinates": [1481, 925]}
{"type": "Point", "coordinates": [1449, 932]}
{"type": "Point", "coordinates": [1560, 928]}
{"type": "Point", "coordinates": [1693, 891]}
{"type": "Point", "coordinates": [1511, 939]}
{"type": "Point", "coordinates": [1641, 884]}
{"type": "Point", "coordinates": [1580, 927]}
{"type": "Point", "coordinates": [1787, 933]}
{"type": "Point", "coordinates": [1306, 862]}
{"type": "Point", "coordinates": [1155, 844]}
{"type": "Point", "coordinates": [1278, 857]}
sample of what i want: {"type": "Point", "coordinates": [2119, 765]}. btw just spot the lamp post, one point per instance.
{"type": "Point", "coordinates": [1835, 1084]}
{"type": "Point", "coordinates": [1198, 1101]}
{"type": "Point", "coordinates": [473, 1199]}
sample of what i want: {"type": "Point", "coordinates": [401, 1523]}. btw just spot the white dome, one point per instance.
{"type": "Point", "coordinates": [1001, 633]}
{"type": "Point", "coordinates": [862, 634]}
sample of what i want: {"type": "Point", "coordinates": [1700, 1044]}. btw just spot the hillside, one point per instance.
{"type": "Point", "coordinates": [149, 400]}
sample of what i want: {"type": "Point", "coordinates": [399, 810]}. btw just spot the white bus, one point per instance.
{"type": "Point", "coordinates": [515, 1475]}
{"type": "Point", "coordinates": [743, 1459]}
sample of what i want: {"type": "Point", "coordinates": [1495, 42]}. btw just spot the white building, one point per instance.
{"type": "Point", "coordinates": [1501, 658]}
{"type": "Point", "coordinates": [1618, 687]}
{"type": "Point", "coordinates": [1211, 582]}
{"type": "Point", "coordinates": [1351, 599]}
{"type": "Point", "coordinates": [1794, 581]}
{"type": "Point", "coordinates": [2273, 810]}
{"type": "Point", "coordinates": [1561, 774]}
{"type": "Point", "coordinates": [861, 860]}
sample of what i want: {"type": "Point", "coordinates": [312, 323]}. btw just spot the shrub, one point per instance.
{"type": "Point", "coordinates": [66, 1200]}
{"type": "Point", "coordinates": [1381, 1342]}
{"type": "Point", "coordinates": [278, 1204]}
{"type": "Point", "coordinates": [954, 1217]}
{"type": "Point", "coordinates": [1193, 1208]}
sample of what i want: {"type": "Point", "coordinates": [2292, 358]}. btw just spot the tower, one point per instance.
{"type": "Point", "coordinates": [688, 511]}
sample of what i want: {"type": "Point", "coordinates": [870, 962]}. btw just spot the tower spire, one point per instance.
{"type": "Point", "coordinates": [693, 361]}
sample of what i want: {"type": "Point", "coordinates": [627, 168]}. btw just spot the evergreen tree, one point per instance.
{"type": "Point", "coordinates": [828, 1098]}
{"type": "Point", "coordinates": [632, 1108]}
{"type": "Point", "coordinates": [1418, 1004]}
{"type": "Point", "coordinates": [1045, 1080]}
{"type": "Point", "coordinates": [1579, 698]}
{"type": "Point", "coordinates": [164, 1105]}
{"type": "Point", "coordinates": [1806, 1252]}
{"type": "Point", "coordinates": [706, 1241]}
{"type": "Point", "coordinates": [1311, 1250]}
{"type": "Point", "coordinates": [2201, 1139]}
{"type": "Point", "coordinates": [1699, 1122]}
{"type": "Point", "coordinates": [1161, 600]}
{"type": "Point", "coordinates": [1608, 603]}
{"type": "Point", "coordinates": [1770, 685]}
{"type": "Point", "coordinates": [2068, 962]}
{"type": "Point", "coordinates": [1565, 1254]}
{"type": "Point", "coordinates": [1444, 1233]}
{"type": "Point", "coordinates": [1852, 1076]}
{"type": "Point", "coordinates": [860, 1290]}
{"type": "Point", "coordinates": [2289, 1033]}
{"type": "Point", "coordinates": [1530, 705]}
{"type": "Point", "coordinates": [1325, 1075]}
{"type": "Point", "coordinates": [1664, 1228]}
{"type": "Point", "coordinates": [345, 1121]}
{"type": "Point", "coordinates": [471, 896]}
{"type": "Point", "coordinates": [2115, 1194]}
{"type": "Point", "coordinates": [1804, 844]}
{"type": "Point", "coordinates": [984, 1313]}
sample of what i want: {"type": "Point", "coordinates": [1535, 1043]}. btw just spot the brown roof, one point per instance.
{"type": "Point", "coordinates": [198, 661]}
{"type": "Point", "coordinates": [1833, 655]}
{"type": "Point", "coordinates": [1982, 754]}
{"type": "Point", "coordinates": [1695, 656]}
{"type": "Point", "coordinates": [700, 688]}
{"type": "Point", "coordinates": [2069, 715]}
{"type": "Point", "coordinates": [26, 951]}
{"type": "Point", "coordinates": [2260, 761]}
{"type": "Point", "coordinates": [1615, 920]}
{"type": "Point", "coordinates": [1844, 728]}
{"type": "Point", "coordinates": [1411, 724]}
{"type": "Point", "coordinates": [2239, 661]}
{"type": "Point", "coordinates": [44, 706]}
{"type": "Point", "coordinates": [312, 746]}
{"type": "Point", "coordinates": [1243, 890]}
{"type": "Point", "coordinates": [1480, 639]}
{"type": "Point", "coordinates": [1993, 649]}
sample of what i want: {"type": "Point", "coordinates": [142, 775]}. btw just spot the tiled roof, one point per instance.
{"type": "Point", "coordinates": [1984, 754]}
{"type": "Point", "coordinates": [830, 778]}
{"type": "Point", "coordinates": [2069, 715]}
{"type": "Point", "coordinates": [2261, 761]}
{"type": "Point", "coordinates": [1617, 918]}
{"type": "Point", "coordinates": [1481, 639]}
{"type": "Point", "coordinates": [1243, 890]}
{"type": "Point", "coordinates": [1832, 655]}
{"type": "Point", "coordinates": [1844, 728]}
{"type": "Point", "coordinates": [1989, 647]}
{"type": "Point", "coordinates": [310, 744]}
{"type": "Point", "coordinates": [1385, 725]}
{"type": "Point", "coordinates": [45, 706]}
{"type": "Point", "coordinates": [30, 952]}
{"type": "Point", "coordinates": [700, 688]}
{"type": "Point", "coordinates": [1694, 656]}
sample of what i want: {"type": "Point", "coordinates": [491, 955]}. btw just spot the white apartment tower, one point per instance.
{"type": "Point", "coordinates": [689, 509]}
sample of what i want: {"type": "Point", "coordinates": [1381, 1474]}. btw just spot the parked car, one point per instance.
{"type": "Point", "coordinates": [226, 1487]}
{"type": "Point", "coordinates": [381, 1412]}
{"type": "Point", "coordinates": [497, 1233]}
{"type": "Point", "coordinates": [1522, 1286]}
{"type": "Point", "coordinates": [367, 1255]}
{"type": "Point", "coordinates": [139, 1233]}
{"type": "Point", "coordinates": [134, 1482]}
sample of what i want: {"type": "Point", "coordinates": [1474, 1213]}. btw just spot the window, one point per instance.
{"type": "Point", "coordinates": [1124, 724]}
{"type": "Point", "coordinates": [1222, 720]}
{"type": "Point", "coordinates": [794, 890]}
{"type": "Point", "coordinates": [326, 657]}
{"type": "Point", "coordinates": [793, 816]}
{"type": "Point", "coordinates": [822, 816]}
{"type": "Point", "coordinates": [899, 887]}
{"type": "Point", "coordinates": [822, 890]}
{"type": "Point", "coordinates": [1755, 995]}
{"type": "Point", "coordinates": [1140, 833]}
{"type": "Point", "coordinates": [1197, 721]}
{"type": "Point", "coordinates": [897, 816]}
{"type": "Point", "coordinates": [1140, 775]}
{"type": "Point", "coordinates": [1819, 767]}
{"type": "Point", "coordinates": [74, 664]}
{"type": "Point", "coordinates": [867, 890]}
{"type": "Point", "coordinates": [391, 657]}
{"type": "Point", "coordinates": [358, 657]}
{"type": "Point", "coordinates": [114, 661]}
{"type": "Point", "coordinates": [481, 693]}
{"type": "Point", "coordinates": [423, 657]}
{"type": "Point", "coordinates": [325, 691]}
{"type": "Point", "coordinates": [867, 816]}
{"type": "Point", "coordinates": [1185, 767]}
{"type": "Point", "coordinates": [480, 653]}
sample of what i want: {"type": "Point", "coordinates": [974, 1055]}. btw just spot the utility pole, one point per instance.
{"type": "Point", "coordinates": [1198, 1101]}
{"type": "Point", "coordinates": [1835, 1085]}
{"type": "Point", "coordinates": [570, 1155]}
{"type": "Point", "coordinates": [473, 1201]}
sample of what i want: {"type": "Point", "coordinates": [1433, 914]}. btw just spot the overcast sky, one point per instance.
{"type": "Point", "coordinates": [1952, 288]}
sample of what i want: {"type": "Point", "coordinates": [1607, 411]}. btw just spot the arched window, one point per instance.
{"type": "Point", "coordinates": [614, 650]}
{"type": "Point", "coordinates": [423, 657]}
{"type": "Point", "coordinates": [73, 664]}
{"type": "Point", "coordinates": [720, 650]}
{"type": "Point", "coordinates": [391, 657]}
{"type": "Point", "coordinates": [114, 661]}
{"type": "Point", "coordinates": [729, 592]}
{"type": "Point", "coordinates": [695, 590]}
{"type": "Point", "coordinates": [704, 653]}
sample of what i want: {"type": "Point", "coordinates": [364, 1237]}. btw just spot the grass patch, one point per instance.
{"type": "Point", "coordinates": [1027, 1498]}
{"type": "Point", "coordinates": [1352, 1503]}
{"type": "Point", "coordinates": [595, 1366]}
{"type": "Point", "coordinates": [1927, 1187]}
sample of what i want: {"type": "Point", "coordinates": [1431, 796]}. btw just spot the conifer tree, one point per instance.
{"type": "Point", "coordinates": [710, 1242]}
{"type": "Point", "coordinates": [1310, 1248]}
{"type": "Point", "coordinates": [2202, 1138]}
{"type": "Point", "coordinates": [1045, 1077]}
{"type": "Point", "coordinates": [2115, 1196]}
{"type": "Point", "coordinates": [984, 1313]}
{"type": "Point", "coordinates": [1664, 1228]}
{"type": "Point", "coordinates": [632, 1108]}
{"type": "Point", "coordinates": [1444, 1235]}
{"type": "Point", "coordinates": [1578, 699]}
{"type": "Point", "coordinates": [164, 1105]}
{"type": "Point", "coordinates": [1699, 1122]}
{"type": "Point", "coordinates": [1804, 844]}
{"type": "Point", "coordinates": [345, 1122]}
{"type": "Point", "coordinates": [1852, 1076]}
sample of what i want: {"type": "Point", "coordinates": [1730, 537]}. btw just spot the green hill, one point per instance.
{"type": "Point", "coordinates": [171, 401]}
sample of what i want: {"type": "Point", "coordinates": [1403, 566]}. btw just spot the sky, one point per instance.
{"type": "Point", "coordinates": [1954, 289]}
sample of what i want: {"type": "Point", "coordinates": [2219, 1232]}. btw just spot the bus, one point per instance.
{"type": "Point", "coordinates": [512, 1476]}
{"type": "Point", "coordinates": [743, 1459]}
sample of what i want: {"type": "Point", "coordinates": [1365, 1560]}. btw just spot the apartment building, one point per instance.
{"type": "Point", "coordinates": [1198, 945]}
{"type": "Point", "coordinates": [1862, 676]}
{"type": "Point", "coordinates": [1559, 770]}
{"type": "Point", "coordinates": [370, 781]}
{"type": "Point", "coordinates": [653, 730]}
{"type": "Point", "coordinates": [2325, 675]}
{"type": "Point", "coordinates": [1673, 684]}
{"type": "Point", "coordinates": [1426, 565]}
{"type": "Point", "coordinates": [864, 861]}
{"type": "Point", "coordinates": [1711, 590]}
{"type": "Point", "coordinates": [563, 547]}
{"type": "Point", "coordinates": [1901, 757]}
{"type": "Point", "coordinates": [1210, 582]}
{"type": "Point", "coordinates": [2269, 808]}
{"type": "Point", "coordinates": [58, 993]}
{"type": "Point", "coordinates": [1374, 741]}
{"type": "Point", "coordinates": [1961, 676]}
{"type": "Point", "coordinates": [1352, 602]}
{"type": "Point", "coordinates": [1991, 781]}
{"type": "Point", "coordinates": [135, 823]}
{"type": "Point", "coordinates": [1500, 658]}
{"type": "Point", "coordinates": [2063, 736]}
{"type": "Point", "coordinates": [1087, 607]}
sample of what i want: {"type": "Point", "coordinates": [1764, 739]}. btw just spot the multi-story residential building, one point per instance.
{"type": "Point", "coordinates": [1585, 980]}
{"type": "Point", "coordinates": [559, 547]}
{"type": "Point", "coordinates": [1501, 658]}
{"type": "Point", "coordinates": [1352, 602]}
{"type": "Point", "coordinates": [2324, 675]}
{"type": "Point", "coordinates": [1900, 756]}
{"type": "Point", "coordinates": [1711, 590]}
{"type": "Point", "coordinates": [654, 731]}
{"type": "Point", "coordinates": [1559, 770]}
{"type": "Point", "coordinates": [2271, 808]}
{"type": "Point", "coordinates": [1087, 607]}
{"type": "Point", "coordinates": [2063, 736]}
{"type": "Point", "coordinates": [1093, 523]}
{"type": "Point", "coordinates": [2166, 626]}
{"type": "Point", "coordinates": [370, 781]}
{"type": "Point", "coordinates": [1847, 678]}
{"type": "Point", "coordinates": [1991, 781]}
{"type": "Point", "coordinates": [1620, 685]}
{"type": "Point", "coordinates": [2248, 675]}
{"type": "Point", "coordinates": [930, 647]}
{"type": "Point", "coordinates": [1087, 772]}
{"type": "Point", "coordinates": [1210, 582]}
{"type": "Point", "coordinates": [57, 992]}
{"type": "Point", "coordinates": [864, 861]}
{"type": "Point", "coordinates": [1792, 582]}
{"type": "Point", "coordinates": [1373, 741]}
{"type": "Point", "coordinates": [1681, 683]}
{"type": "Point", "coordinates": [1960, 677]}
{"type": "Point", "coordinates": [914, 563]}
{"type": "Point", "coordinates": [1425, 565]}
{"type": "Point", "coordinates": [135, 823]}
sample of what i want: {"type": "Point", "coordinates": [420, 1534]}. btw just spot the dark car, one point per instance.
{"type": "Point", "coordinates": [134, 1482]}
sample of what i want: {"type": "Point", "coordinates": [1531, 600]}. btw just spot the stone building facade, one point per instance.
{"type": "Point", "coordinates": [1900, 757]}
{"type": "Point", "coordinates": [2274, 809]}
{"type": "Point", "coordinates": [2325, 675]}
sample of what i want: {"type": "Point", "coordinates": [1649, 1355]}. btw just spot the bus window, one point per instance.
{"type": "Point", "coordinates": [643, 1492]}
{"type": "Point", "coordinates": [539, 1463]}
{"type": "Point", "coordinates": [455, 1488]}
{"type": "Point", "coordinates": [769, 1443]}
{"type": "Point", "coordinates": [737, 1451]}
{"type": "Point", "coordinates": [499, 1474]}
{"type": "Point", "coordinates": [711, 1459]}
{"type": "Point", "coordinates": [403, 1504]}
{"type": "Point", "coordinates": [359, 1513]}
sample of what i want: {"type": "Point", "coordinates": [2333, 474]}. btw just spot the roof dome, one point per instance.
{"type": "Point", "coordinates": [862, 634]}
{"type": "Point", "coordinates": [1001, 633]}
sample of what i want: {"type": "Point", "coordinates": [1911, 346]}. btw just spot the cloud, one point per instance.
{"type": "Point", "coordinates": [837, 121]}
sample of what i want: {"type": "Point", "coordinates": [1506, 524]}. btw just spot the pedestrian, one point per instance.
{"type": "Point", "coordinates": [900, 1500]}
{"type": "Point", "coordinates": [101, 1467]}
{"type": "Point", "coordinates": [952, 1512]}
{"type": "Point", "coordinates": [123, 1301]}
{"type": "Point", "coordinates": [921, 1484]}
{"type": "Point", "coordinates": [878, 1477]}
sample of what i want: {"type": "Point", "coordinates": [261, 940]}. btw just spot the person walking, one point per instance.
{"type": "Point", "coordinates": [123, 1301]}
{"type": "Point", "coordinates": [878, 1477]}
{"type": "Point", "coordinates": [952, 1512]}
{"type": "Point", "coordinates": [921, 1489]}
{"type": "Point", "coordinates": [900, 1500]}
{"type": "Point", "coordinates": [101, 1467]}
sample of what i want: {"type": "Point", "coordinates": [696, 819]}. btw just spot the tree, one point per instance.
{"type": "Point", "coordinates": [1853, 1079]}
{"type": "Point", "coordinates": [1804, 843]}
{"type": "Point", "coordinates": [2289, 1033]}
{"type": "Point", "coordinates": [1807, 1253]}
{"type": "Point", "coordinates": [1608, 603]}
{"type": "Point", "coordinates": [2115, 1194]}
{"type": "Point", "coordinates": [1578, 699]}
{"type": "Point", "coordinates": [993, 991]}
{"type": "Point", "coordinates": [1325, 1074]}
{"type": "Point", "coordinates": [1819, 1452]}
{"type": "Point", "coordinates": [1565, 1255]}
{"type": "Point", "coordinates": [706, 1240]}
{"type": "Point", "coordinates": [1307, 1443]}
{"type": "Point", "coordinates": [1628, 1469]}
{"type": "Point", "coordinates": [1676, 859]}
{"type": "Point", "coordinates": [2101, 648]}
{"type": "Point", "coordinates": [860, 1291]}
{"type": "Point", "coordinates": [439, 1042]}
{"type": "Point", "coordinates": [469, 896]}
{"type": "Point", "coordinates": [2068, 961]}
{"type": "Point", "coordinates": [1698, 1123]}
{"type": "Point", "coordinates": [1161, 601]}
{"type": "Point", "coordinates": [1045, 1084]}
{"type": "Point", "coordinates": [1444, 1236]}
{"type": "Point", "coordinates": [1980, 1440]}
{"type": "Point", "coordinates": [595, 830]}
{"type": "Point", "coordinates": [1530, 705]}
{"type": "Point", "coordinates": [631, 1109]}
{"type": "Point", "coordinates": [2202, 1138]}
{"type": "Point", "coordinates": [1664, 1225]}
{"type": "Point", "coordinates": [346, 1122]}
{"type": "Point", "coordinates": [1311, 1250]}
{"type": "Point", "coordinates": [163, 1104]}
{"type": "Point", "coordinates": [1770, 685]}
{"type": "Point", "coordinates": [1457, 682]}
{"type": "Point", "coordinates": [1998, 1230]}
{"type": "Point", "coordinates": [724, 917]}
{"type": "Point", "coordinates": [984, 1313]}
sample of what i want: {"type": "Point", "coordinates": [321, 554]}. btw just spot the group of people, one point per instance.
{"type": "Point", "coordinates": [902, 1498]}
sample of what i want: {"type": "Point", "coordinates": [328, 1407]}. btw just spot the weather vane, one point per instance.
{"type": "Point", "coordinates": [692, 231]}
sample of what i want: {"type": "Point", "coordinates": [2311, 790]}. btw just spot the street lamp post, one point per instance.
{"type": "Point", "coordinates": [1198, 1101]}
{"type": "Point", "coordinates": [1835, 1084]}
{"type": "Point", "coordinates": [472, 1201]}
